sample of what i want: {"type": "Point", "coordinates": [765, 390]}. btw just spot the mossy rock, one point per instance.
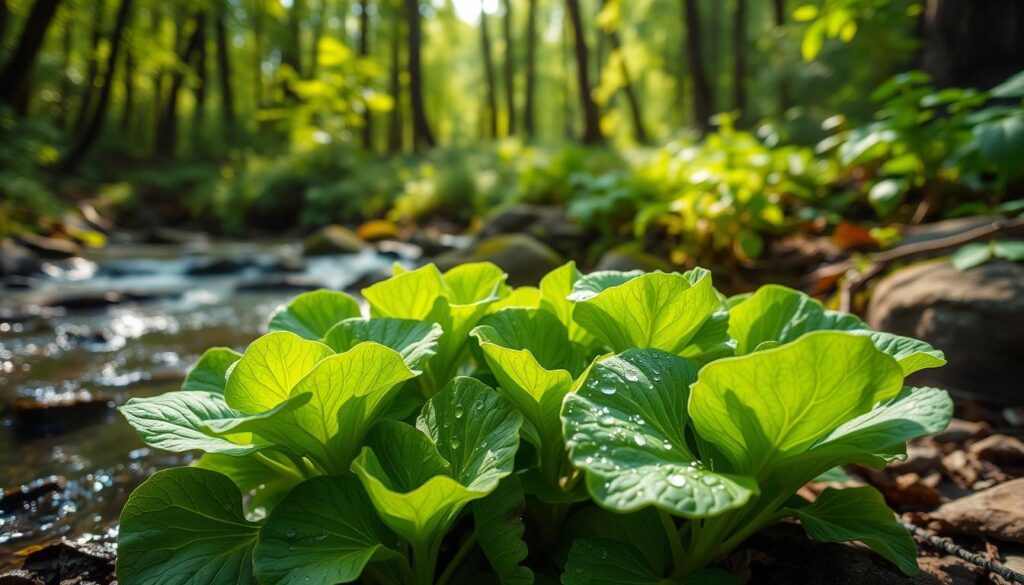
{"type": "Point", "coordinates": [627, 258]}
{"type": "Point", "coordinates": [332, 239]}
{"type": "Point", "coordinates": [523, 257]}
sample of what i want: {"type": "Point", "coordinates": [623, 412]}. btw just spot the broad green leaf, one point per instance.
{"type": "Point", "coordinates": [1012, 250]}
{"type": "Point", "coordinates": [498, 520]}
{"type": "Point", "coordinates": [266, 476]}
{"type": "Point", "coordinates": [913, 355]}
{"type": "Point", "coordinates": [176, 421]}
{"type": "Point", "coordinates": [416, 341]}
{"type": "Point", "coordinates": [474, 282]}
{"type": "Point", "coordinates": [312, 314]}
{"type": "Point", "coordinates": [656, 310]}
{"type": "Point", "coordinates": [886, 195]}
{"type": "Point", "coordinates": [537, 331]}
{"type": "Point", "coordinates": [601, 561]}
{"type": "Point", "coordinates": [555, 288]}
{"type": "Point", "coordinates": [859, 514]}
{"type": "Point", "coordinates": [626, 427]}
{"type": "Point", "coordinates": [971, 255]}
{"type": "Point", "coordinates": [525, 297]}
{"type": "Point", "coordinates": [1002, 141]}
{"type": "Point", "coordinates": [643, 529]}
{"type": "Point", "coordinates": [1011, 88]}
{"type": "Point", "coordinates": [589, 286]}
{"type": "Point", "coordinates": [269, 369]}
{"type": "Point", "coordinates": [420, 478]}
{"type": "Point", "coordinates": [763, 407]}
{"type": "Point", "coordinates": [185, 526]}
{"type": "Point", "coordinates": [781, 314]}
{"type": "Point", "coordinates": [210, 373]}
{"type": "Point", "coordinates": [407, 295]}
{"type": "Point", "coordinates": [323, 532]}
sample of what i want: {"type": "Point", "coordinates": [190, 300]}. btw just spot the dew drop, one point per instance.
{"type": "Point", "coordinates": [458, 411]}
{"type": "Point", "coordinates": [631, 376]}
{"type": "Point", "coordinates": [676, 480]}
{"type": "Point", "coordinates": [322, 536]}
{"type": "Point", "coordinates": [667, 445]}
{"type": "Point", "coordinates": [608, 420]}
{"type": "Point", "coordinates": [455, 443]}
{"type": "Point", "coordinates": [479, 405]}
{"type": "Point", "coordinates": [604, 553]}
{"type": "Point", "coordinates": [639, 440]}
{"type": "Point", "coordinates": [609, 390]}
{"type": "Point", "coordinates": [290, 533]}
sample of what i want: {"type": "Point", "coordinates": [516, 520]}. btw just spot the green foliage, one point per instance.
{"type": "Point", "coordinates": [643, 401]}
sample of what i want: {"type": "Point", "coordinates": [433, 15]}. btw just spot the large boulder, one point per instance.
{"type": "Point", "coordinates": [547, 223]}
{"type": "Point", "coordinates": [625, 258]}
{"type": "Point", "coordinates": [976, 317]}
{"type": "Point", "coordinates": [525, 259]}
{"type": "Point", "coordinates": [332, 239]}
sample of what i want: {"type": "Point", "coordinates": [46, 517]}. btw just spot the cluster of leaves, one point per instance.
{"type": "Point", "coordinates": [925, 138]}
{"type": "Point", "coordinates": [635, 427]}
{"type": "Point", "coordinates": [26, 197]}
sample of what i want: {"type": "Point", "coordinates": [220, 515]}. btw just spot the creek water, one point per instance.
{"type": "Point", "coordinates": [59, 344]}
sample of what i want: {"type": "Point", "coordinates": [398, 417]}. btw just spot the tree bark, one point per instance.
{"type": "Point", "coordinates": [257, 54]}
{"type": "Point", "coordinates": [167, 125]}
{"type": "Point", "coordinates": [93, 69]}
{"type": "Point", "coordinates": [491, 103]}
{"type": "Point", "coordinates": [639, 132]}
{"type": "Point", "coordinates": [591, 118]}
{"type": "Point", "coordinates": [227, 94]}
{"type": "Point", "coordinates": [694, 57]}
{"type": "Point", "coordinates": [395, 128]}
{"type": "Point", "coordinates": [364, 52]}
{"type": "Point", "coordinates": [128, 113]}
{"type": "Point", "coordinates": [739, 51]}
{"type": "Point", "coordinates": [510, 74]}
{"type": "Point", "coordinates": [65, 79]}
{"type": "Point", "coordinates": [16, 72]}
{"type": "Point", "coordinates": [319, 24]}
{"type": "Point", "coordinates": [531, 69]}
{"type": "Point", "coordinates": [292, 53]}
{"type": "Point", "coordinates": [779, 11]}
{"type": "Point", "coordinates": [5, 19]}
{"type": "Point", "coordinates": [973, 43]}
{"type": "Point", "coordinates": [95, 125]}
{"type": "Point", "coordinates": [422, 136]}
{"type": "Point", "coordinates": [200, 87]}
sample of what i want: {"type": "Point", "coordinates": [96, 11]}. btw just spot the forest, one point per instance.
{"type": "Point", "coordinates": [430, 292]}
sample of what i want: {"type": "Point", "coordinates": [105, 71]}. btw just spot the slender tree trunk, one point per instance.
{"type": "Point", "coordinates": [639, 132]}
{"type": "Point", "coordinates": [567, 113]}
{"type": "Point", "coordinates": [128, 113]}
{"type": "Point", "coordinates": [5, 20]}
{"type": "Point", "coordinates": [257, 54]}
{"type": "Point", "coordinates": [694, 56]}
{"type": "Point", "coordinates": [319, 25]}
{"type": "Point", "coordinates": [739, 51]}
{"type": "Point", "coordinates": [200, 87]}
{"type": "Point", "coordinates": [364, 52]}
{"type": "Point", "coordinates": [16, 71]}
{"type": "Point", "coordinates": [591, 118]}
{"type": "Point", "coordinates": [510, 74]}
{"type": "Point", "coordinates": [973, 44]}
{"type": "Point", "coordinates": [395, 129]}
{"type": "Point", "coordinates": [167, 126]}
{"type": "Point", "coordinates": [93, 70]}
{"type": "Point", "coordinates": [779, 12]}
{"type": "Point", "coordinates": [531, 69]}
{"type": "Point", "coordinates": [291, 55]}
{"type": "Point", "coordinates": [491, 104]}
{"type": "Point", "coordinates": [227, 94]}
{"type": "Point", "coordinates": [65, 79]}
{"type": "Point", "coordinates": [422, 136]}
{"type": "Point", "coordinates": [95, 125]}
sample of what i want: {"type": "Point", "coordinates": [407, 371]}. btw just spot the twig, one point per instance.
{"type": "Point", "coordinates": [949, 547]}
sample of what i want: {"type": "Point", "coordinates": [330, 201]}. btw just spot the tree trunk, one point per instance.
{"type": "Point", "coordinates": [318, 32]}
{"type": "Point", "coordinates": [639, 132]}
{"type": "Point", "coordinates": [591, 119]}
{"type": "Point", "coordinates": [128, 113]}
{"type": "Point", "coordinates": [257, 54]}
{"type": "Point", "coordinates": [422, 136]}
{"type": "Point", "coordinates": [200, 87]}
{"type": "Point", "coordinates": [973, 43]}
{"type": "Point", "coordinates": [291, 55]}
{"type": "Point", "coordinates": [95, 125]}
{"type": "Point", "coordinates": [395, 129]}
{"type": "Point", "coordinates": [510, 73]}
{"type": "Point", "coordinates": [15, 73]}
{"type": "Point", "coordinates": [67, 43]}
{"type": "Point", "coordinates": [5, 20]}
{"type": "Point", "coordinates": [227, 94]}
{"type": "Point", "coordinates": [701, 86]}
{"type": "Point", "coordinates": [779, 11]}
{"type": "Point", "coordinates": [93, 69]}
{"type": "Point", "coordinates": [531, 69]}
{"type": "Point", "coordinates": [491, 104]}
{"type": "Point", "coordinates": [739, 52]}
{"type": "Point", "coordinates": [364, 52]}
{"type": "Point", "coordinates": [167, 125]}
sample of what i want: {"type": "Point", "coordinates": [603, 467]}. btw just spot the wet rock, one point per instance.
{"type": "Point", "coordinates": [16, 260]}
{"type": "Point", "coordinates": [525, 259]}
{"type": "Point", "coordinates": [285, 264]}
{"type": "Point", "coordinates": [1001, 450]}
{"type": "Point", "coordinates": [19, 283]}
{"type": "Point", "coordinates": [950, 570]}
{"type": "Point", "coordinates": [289, 283]}
{"type": "Point", "coordinates": [17, 498]}
{"type": "Point", "coordinates": [399, 250]}
{"type": "Point", "coordinates": [59, 414]}
{"type": "Point", "coordinates": [93, 301]}
{"type": "Point", "coordinates": [625, 259]}
{"type": "Point", "coordinates": [996, 513]}
{"type": "Point", "coordinates": [548, 224]}
{"type": "Point", "coordinates": [166, 235]}
{"type": "Point", "coordinates": [976, 317]}
{"type": "Point", "coordinates": [218, 267]}
{"type": "Point", "coordinates": [49, 248]}
{"type": "Point", "coordinates": [332, 239]}
{"type": "Point", "coordinates": [65, 562]}
{"type": "Point", "coordinates": [21, 577]}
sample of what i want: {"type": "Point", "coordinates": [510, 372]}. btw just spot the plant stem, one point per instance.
{"type": "Point", "coordinates": [676, 545]}
{"type": "Point", "coordinates": [279, 467]}
{"type": "Point", "coordinates": [460, 555]}
{"type": "Point", "coordinates": [424, 560]}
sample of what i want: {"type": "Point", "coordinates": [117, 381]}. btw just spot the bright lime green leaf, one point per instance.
{"type": "Point", "coordinates": [535, 330]}
{"type": "Point", "coordinates": [626, 427]}
{"type": "Point", "coordinates": [761, 408]}
{"type": "Point", "coordinates": [781, 314]}
{"type": "Point", "coordinates": [971, 255]}
{"type": "Point", "coordinates": [269, 369]}
{"type": "Point", "coordinates": [859, 514]}
{"type": "Point", "coordinates": [601, 561]}
{"type": "Point", "coordinates": [886, 195]}
{"type": "Point", "coordinates": [589, 286]}
{"type": "Point", "coordinates": [524, 297]}
{"type": "Point", "coordinates": [323, 532]}
{"type": "Point", "coordinates": [176, 421]}
{"type": "Point", "coordinates": [186, 523]}
{"type": "Point", "coordinates": [498, 520]}
{"type": "Point", "coordinates": [407, 295]}
{"type": "Point", "coordinates": [805, 13]}
{"type": "Point", "coordinates": [210, 373]}
{"type": "Point", "coordinates": [913, 355]}
{"type": "Point", "coordinates": [312, 314]}
{"type": "Point", "coordinates": [416, 341]}
{"type": "Point", "coordinates": [656, 310]}
{"type": "Point", "coordinates": [473, 282]}
{"type": "Point", "coordinates": [555, 288]}
{"type": "Point", "coordinates": [1012, 250]}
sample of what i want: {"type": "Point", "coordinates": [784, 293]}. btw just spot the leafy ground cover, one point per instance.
{"type": "Point", "coordinates": [609, 427]}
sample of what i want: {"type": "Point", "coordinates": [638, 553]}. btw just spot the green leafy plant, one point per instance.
{"type": "Point", "coordinates": [662, 424]}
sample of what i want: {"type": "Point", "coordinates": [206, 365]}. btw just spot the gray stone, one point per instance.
{"type": "Point", "coordinates": [332, 239]}
{"type": "Point", "coordinates": [525, 259]}
{"type": "Point", "coordinates": [976, 317]}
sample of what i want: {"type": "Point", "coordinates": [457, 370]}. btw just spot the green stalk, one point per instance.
{"type": "Point", "coordinates": [424, 560]}
{"type": "Point", "coordinates": [280, 467]}
{"type": "Point", "coordinates": [674, 543]}
{"type": "Point", "coordinates": [460, 555]}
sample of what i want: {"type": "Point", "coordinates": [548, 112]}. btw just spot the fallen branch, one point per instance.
{"type": "Point", "coordinates": [951, 548]}
{"type": "Point", "coordinates": [876, 263]}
